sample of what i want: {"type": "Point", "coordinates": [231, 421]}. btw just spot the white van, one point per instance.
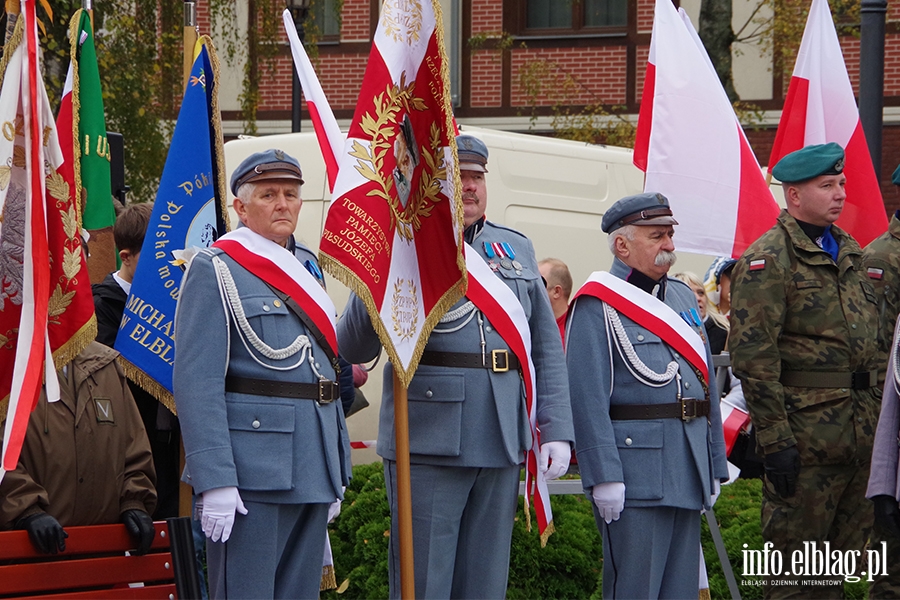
{"type": "Point", "coordinates": [554, 191]}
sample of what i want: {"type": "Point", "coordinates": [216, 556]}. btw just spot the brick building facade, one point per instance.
{"type": "Point", "coordinates": [496, 41]}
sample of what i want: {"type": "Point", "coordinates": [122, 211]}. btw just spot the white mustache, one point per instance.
{"type": "Point", "coordinates": [665, 259]}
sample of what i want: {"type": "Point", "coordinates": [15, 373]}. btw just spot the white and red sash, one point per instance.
{"type": "Point", "coordinates": [503, 309]}
{"type": "Point", "coordinates": [280, 269]}
{"type": "Point", "coordinates": [648, 311]}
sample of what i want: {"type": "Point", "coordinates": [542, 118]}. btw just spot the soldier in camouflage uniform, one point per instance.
{"type": "Point", "coordinates": [803, 341]}
{"type": "Point", "coordinates": [882, 260]}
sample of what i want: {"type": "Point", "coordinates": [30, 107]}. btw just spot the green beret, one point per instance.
{"type": "Point", "coordinates": [895, 178]}
{"type": "Point", "coordinates": [809, 162]}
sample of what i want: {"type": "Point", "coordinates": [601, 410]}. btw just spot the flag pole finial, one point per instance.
{"type": "Point", "coordinates": [190, 35]}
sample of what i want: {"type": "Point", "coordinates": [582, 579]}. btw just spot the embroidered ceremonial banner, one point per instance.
{"type": "Point", "coordinates": [46, 307]}
{"type": "Point", "coordinates": [819, 108]}
{"type": "Point", "coordinates": [189, 215]}
{"type": "Point", "coordinates": [650, 312]}
{"type": "Point", "coordinates": [394, 229]}
{"type": "Point", "coordinates": [692, 147]}
{"type": "Point", "coordinates": [505, 312]}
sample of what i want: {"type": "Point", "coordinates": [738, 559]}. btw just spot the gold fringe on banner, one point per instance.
{"type": "Point", "coordinates": [74, 47]}
{"type": "Point", "coordinates": [78, 342]}
{"type": "Point", "coordinates": [328, 580]}
{"type": "Point", "coordinates": [703, 594]}
{"type": "Point", "coordinates": [10, 47]}
{"type": "Point", "coordinates": [147, 383]}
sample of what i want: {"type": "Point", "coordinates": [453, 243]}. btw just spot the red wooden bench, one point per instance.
{"type": "Point", "coordinates": [94, 564]}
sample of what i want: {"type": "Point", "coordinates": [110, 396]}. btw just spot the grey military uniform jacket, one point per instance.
{"type": "Point", "coordinates": [469, 417]}
{"type": "Point", "coordinates": [275, 450]}
{"type": "Point", "coordinates": [663, 462]}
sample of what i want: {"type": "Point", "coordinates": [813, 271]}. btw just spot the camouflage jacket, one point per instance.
{"type": "Point", "coordinates": [882, 262]}
{"type": "Point", "coordinates": [794, 309]}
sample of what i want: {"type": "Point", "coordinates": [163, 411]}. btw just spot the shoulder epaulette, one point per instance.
{"type": "Point", "coordinates": [505, 228]}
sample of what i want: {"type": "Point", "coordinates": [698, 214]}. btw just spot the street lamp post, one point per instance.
{"type": "Point", "coordinates": [871, 76]}
{"type": "Point", "coordinates": [299, 9]}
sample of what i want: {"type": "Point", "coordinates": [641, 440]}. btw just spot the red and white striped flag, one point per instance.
{"type": "Point", "coordinates": [820, 108]}
{"type": "Point", "coordinates": [733, 421]}
{"type": "Point", "coordinates": [693, 149]}
{"type": "Point", "coordinates": [331, 140]}
{"type": "Point", "coordinates": [29, 153]}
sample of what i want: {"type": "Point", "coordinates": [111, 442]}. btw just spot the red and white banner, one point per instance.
{"type": "Point", "coordinates": [503, 309]}
{"type": "Point", "coordinates": [692, 148]}
{"type": "Point", "coordinates": [394, 229]}
{"type": "Point", "coordinates": [331, 140]}
{"type": "Point", "coordinates": [820, 108]}
{"type": "Point", "coordinates": [29, 153]}
{"type": "Point", "coordinates": [649, 312]}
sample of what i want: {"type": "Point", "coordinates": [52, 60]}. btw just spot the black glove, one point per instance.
{"type": "Point", "coordinates": [45, 532]}
{"type": "Point", "coordinates": [887, 514]}
{"type": "Point", "coordinates": [782, 469]}
{"type": "Point", "coordinates": [140, 526]}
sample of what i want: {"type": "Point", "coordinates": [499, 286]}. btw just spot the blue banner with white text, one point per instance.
{"type": "Point", "coordinates": [186, 218]}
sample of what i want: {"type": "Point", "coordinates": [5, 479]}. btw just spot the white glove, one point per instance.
{"type": "Point", "coordinates": [219, 506]}
{"type": "Point", "coordinates": [610, 500]}
{"type": "Point", "coordinates": [555, 457]}
{"type": "Point", "coordinates": [334, 509]}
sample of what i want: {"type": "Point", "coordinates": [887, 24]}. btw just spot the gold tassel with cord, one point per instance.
{"type": "Point", "coordinates": [328, 580]}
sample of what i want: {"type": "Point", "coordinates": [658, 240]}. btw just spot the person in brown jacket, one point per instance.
{"type": "Point", "coordinates": [85, 459]}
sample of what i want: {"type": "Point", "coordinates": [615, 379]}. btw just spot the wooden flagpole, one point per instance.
{"type": "Point", "coordinates": [189, 35]}
{"type": "Point", "coordinates": [404, 493]}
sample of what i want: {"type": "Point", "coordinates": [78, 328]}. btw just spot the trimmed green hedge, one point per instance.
{"type": "Point", "coordinates": [570, 566]}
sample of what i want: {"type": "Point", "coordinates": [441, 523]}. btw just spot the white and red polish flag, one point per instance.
{"type": "Point", "coordinates": [820, 108]}
{"type": "Point", "coordinates": [38, 222]}
{"type": "Point", "coordinates": [331, 140]}
{"type": "Point", "coordinates": [692, 148]}
{"type": "Point", "coordinates": [393, 233]}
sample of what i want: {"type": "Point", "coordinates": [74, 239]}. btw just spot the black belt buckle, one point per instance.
{"type": "Point", "coordinates": [861, 380]}
{"type": "Point", "coordinates": [688, 413]}
{"type": "Point", "coordinates": [499, 361]}
{"type": "Point", "coordinates": [326, 392]}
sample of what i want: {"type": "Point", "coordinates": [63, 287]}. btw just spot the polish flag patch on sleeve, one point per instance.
{"type": "Point", "coordinates": [875, 273]}
{"type": "Point", "coordinates": [758, 265]}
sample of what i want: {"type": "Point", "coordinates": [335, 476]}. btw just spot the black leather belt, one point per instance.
{"type": "Point", "coordinates": [685, 409]}
{"type": "Point", "coordinates": [324, 392]}
{"type": "Point", "coordinates": [498, 361]}
{"type": "Point", "coordinates": [860, 380]}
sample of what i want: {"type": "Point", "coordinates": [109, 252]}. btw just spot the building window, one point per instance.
{"type": "Point", "coordinates": [326, 17]}
{"type": "Point", "coordinates": [573, 16]}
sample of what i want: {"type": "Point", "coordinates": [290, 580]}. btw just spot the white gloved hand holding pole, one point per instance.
{"type": "Point", "coordinates": [555, 457]}
{"type": "Point", "coordinates": [219, 506]}
{"type": "Point", "coordinates": [610, 500]}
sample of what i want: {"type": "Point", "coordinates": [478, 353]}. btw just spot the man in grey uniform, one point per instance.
{"type": "Point", "coordinates": [468, 423]}
{"type": "Point", "coordinates": [649, 441]}
{"type": "Point", "coordinates": [255, 386]}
